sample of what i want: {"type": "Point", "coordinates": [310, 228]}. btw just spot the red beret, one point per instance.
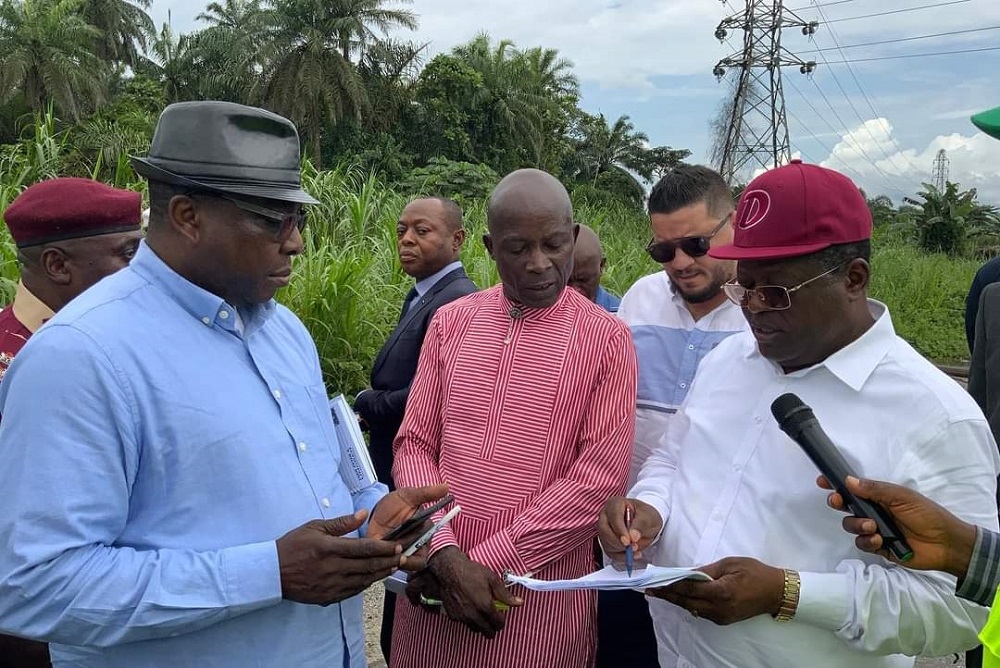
{"type": "Point", "coordinates": [68, 208]}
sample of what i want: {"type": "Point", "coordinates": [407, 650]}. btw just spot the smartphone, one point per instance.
{"type": "Point", "coordinates": [427, 535]}
{"type": "Point", "coordinates": [418, 518]}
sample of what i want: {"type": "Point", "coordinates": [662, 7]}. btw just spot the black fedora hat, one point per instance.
{"type": "Point", "coordinates": [226, 147]}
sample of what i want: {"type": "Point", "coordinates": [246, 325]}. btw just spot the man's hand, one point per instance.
{"type": "Point", "coordinates": [469, 590]}
{"type": "Point", "coordinates": [646, 525]}
{"type": "Point", "coordinates": [318, 565]}
{"type": "Point", "coordinates": [940, 541]}
{"type": "Point", "coordinates": [424, 584]}
{"type": "Point", "coordinates": [741, 588]}
{"type": "Point", "coordinates": [397, 507]}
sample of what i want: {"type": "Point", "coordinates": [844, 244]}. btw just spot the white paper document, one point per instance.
{"type": "Point", "coordinates": [609, 578]}
{"type": "Point", "coordinates": [356, 467]}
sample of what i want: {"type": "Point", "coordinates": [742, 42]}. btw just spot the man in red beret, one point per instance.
{"type": "Point", "coordinates": [70, 233]}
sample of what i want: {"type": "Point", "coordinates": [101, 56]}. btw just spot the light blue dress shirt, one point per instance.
{"type": "Point", "coordinates": [425, 284]}
{"type": "Point", "coordinates": [151, 456]}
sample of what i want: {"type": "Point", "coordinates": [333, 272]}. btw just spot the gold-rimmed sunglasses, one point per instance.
{"type": "Point", "coordinates": [767, 297]}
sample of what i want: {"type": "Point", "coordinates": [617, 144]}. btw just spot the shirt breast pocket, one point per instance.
{"type": "Point", "coordinates": [312, 405]}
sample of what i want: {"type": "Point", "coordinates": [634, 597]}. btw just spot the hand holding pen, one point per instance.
{"type": "Point", "coordinates": [629, 550]}
{"type": "Point", "coordinates": [625, 528]}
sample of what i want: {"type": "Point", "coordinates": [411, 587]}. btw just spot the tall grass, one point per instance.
{"type": "Point", "coordinates": [348, 285]}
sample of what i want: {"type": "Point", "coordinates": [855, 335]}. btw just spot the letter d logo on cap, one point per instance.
{"type": "Point", "coordinates": [756, 204]}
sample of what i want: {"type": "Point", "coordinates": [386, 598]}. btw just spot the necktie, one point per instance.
{"type": "Point", "coordinates": [411, 296]}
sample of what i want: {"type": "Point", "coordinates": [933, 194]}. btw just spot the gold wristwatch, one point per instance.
{"type": "Point", "coordinates": [790, 597]}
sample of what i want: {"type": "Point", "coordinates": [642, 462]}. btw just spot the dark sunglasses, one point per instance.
{"type": "Point", "coordinates": [278, 223]}
{"type": "Point", "coordinates": [664, 251]}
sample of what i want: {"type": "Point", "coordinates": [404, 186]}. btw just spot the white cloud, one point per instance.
{"type": "Point", "coordinates": [622, 48]}
{"type": "Point", "coordinates": [620, 44]}
{"type": "Point", "coordinates": [868, 154]}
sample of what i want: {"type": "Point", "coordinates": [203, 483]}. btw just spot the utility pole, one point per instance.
{"type": "Point", "coordinates": [757, 132]}
{"type": "Point", "coordinates": [941, 162]}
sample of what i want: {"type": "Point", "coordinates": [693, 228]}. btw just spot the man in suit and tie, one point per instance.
{"type": "Point", "coordinates": [429, 238]}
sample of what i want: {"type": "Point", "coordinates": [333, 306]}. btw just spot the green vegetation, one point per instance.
{"type": "Point", "coordinates": [83, 81]}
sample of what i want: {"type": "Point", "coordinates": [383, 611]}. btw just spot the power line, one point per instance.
{"type": "Point", "coordinates": [825, 4]}
{"type": "Point", "coordinates": [843, 135]}
{"type": "Point", "coordinates": [899, 11]}
{"type": "Point", "coordinates": [850, 101]}
{"type": "Point", "coordinates": [912, 55]}
{"type": "Point", "coordinates": [813, 136]}
{"type": "Point", "coordinates": [906, 39]}
{"type": "Point", "coordinates": [864, 94]}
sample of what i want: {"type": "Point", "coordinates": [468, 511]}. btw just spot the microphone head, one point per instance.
{"type": "Point", "coordinates": [789, 410]}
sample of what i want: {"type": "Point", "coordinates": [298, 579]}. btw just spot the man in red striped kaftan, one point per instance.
{"type": "Point", "coordinates": [523, 402]}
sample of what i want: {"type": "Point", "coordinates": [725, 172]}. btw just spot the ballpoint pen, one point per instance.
{"type": "Point", "coordinates": [628, 529]}
{"type": "Point", "coordinates": [499, 606]}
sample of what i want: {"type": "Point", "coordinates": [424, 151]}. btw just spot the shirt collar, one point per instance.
{"type": "Point", "coordinates": [854, 363]}
{"type": "Point", "coordinates": [425, 284]}
{"type": "Point", "coordinates": [29, 310]}
{"type": "Point", "coordinates": [206, 307]}
{"type": "Point", "coordinates": [517, 310]}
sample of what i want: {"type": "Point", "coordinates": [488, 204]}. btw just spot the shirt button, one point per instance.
{"type": "Point", "coordinates": [207, 320]}
{"type": "Point", "coordinates": [737, 467]}
{"type": "Point", "coordinates": [758, 419]}
{"type": "Point", "coordinates": [302, 447]}
{"type": "Point", "coordinates": [277, 394]}
{"type": "Point", "coordinates": [683, 385]}
{"type": "Point", "coordinates": [690, 347]}
{"type": "Point", "coordinates": [326, 503]}
{"type": "Point", "coordinates": [223, 314]}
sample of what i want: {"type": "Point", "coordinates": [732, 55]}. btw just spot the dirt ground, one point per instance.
{"type": "Point", "coordinates": [373, 618]}
{"type": "Point", "coordinates": [373, 621]}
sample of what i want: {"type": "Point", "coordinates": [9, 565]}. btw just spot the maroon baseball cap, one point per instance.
{"type": "Point", "coordinates": [68, 208]}
{"type": "Point", "coordinates": [795, 210]}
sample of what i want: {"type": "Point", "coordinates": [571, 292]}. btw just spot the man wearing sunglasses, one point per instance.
{"type": "Point", "coordinates": [676, 317]}
{"type": "Point", "coordinates": [171, 485]}
{"type": "Point", "coordinates": [729, 492]}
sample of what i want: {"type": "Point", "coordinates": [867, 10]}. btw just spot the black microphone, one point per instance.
{"type": "Point", "coordinates": [797, 420]}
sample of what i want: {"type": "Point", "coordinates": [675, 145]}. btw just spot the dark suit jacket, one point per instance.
{"type": "Point", "coordinates": [984, 369]}
{"type": "Point", "coordinates": [382, 407]}
{"type": "Point", "coordinates": [987, 274]}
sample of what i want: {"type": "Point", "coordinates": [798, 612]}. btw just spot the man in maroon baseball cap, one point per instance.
{"type": "Point", "coordinates": [728, 481]}
{"type": "Point", "coordinates": [70, 233]}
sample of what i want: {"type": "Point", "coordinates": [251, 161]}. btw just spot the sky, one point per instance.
{"type": "Point", "coordinates": [880, 120]}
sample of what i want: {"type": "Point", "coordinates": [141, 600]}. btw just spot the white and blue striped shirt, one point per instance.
{"type": "Point", "coordinates": [669, 344]}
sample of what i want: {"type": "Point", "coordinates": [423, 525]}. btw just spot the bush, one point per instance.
{"type": "Point", "coordinates": [461, 181]}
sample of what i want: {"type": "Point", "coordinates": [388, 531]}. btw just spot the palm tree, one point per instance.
{"type": "Point", "coordinates": [357, 21]}
{"type": "Point", "coordinates": [171, 64]}
{"type": "Point", "coordinates": [389, 71]}
{"type": "Point", "coordinates": [45, 54]}
{"type": "Point", "coordinates": [604, 147]}
{"type": "Point", "coordinates": [124, 28]}
{"type": "Point", "coordinates": [306, 76]}
{"type": "Point", "coordinates": [227, 53]}
{"type": "Point", "coordinates": [554, 93]}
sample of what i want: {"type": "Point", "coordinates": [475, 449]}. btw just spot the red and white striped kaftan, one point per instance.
{"type": "Point", "coordinates": [530, 421]}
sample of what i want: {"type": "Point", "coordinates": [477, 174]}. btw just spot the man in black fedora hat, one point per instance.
{"type": "Point", "coordinates": [180, 503]}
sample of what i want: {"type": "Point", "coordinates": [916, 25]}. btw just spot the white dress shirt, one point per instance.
{"type": "Point", "coordinates": [728, 482]}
